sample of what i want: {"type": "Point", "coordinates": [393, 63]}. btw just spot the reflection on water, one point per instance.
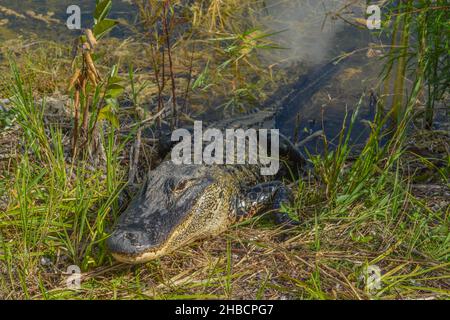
{"type": "Point", "coordinates": [47, 18]}
{"type": "Point", "coordinates": [332, 89]}
{"type": "Point", "coordinates": [327, 96]}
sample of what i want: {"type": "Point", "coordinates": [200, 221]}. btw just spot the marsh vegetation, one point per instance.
{"type": "Point", "coordinates": [79, 130]}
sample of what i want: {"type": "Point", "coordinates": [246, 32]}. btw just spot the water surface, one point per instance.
{"type": "Point", "coordinates": [46, 18]}
{"type": "Point", "coordinates": [326, 94]}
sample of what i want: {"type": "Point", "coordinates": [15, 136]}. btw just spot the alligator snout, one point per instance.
{"type": "Point", "coordinates": [176, 205]}
{"type": "Point", "coordinates": [128, 242]}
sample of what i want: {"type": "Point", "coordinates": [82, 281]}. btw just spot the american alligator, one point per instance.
{"type": "Point", "coordinates": [182, 203]}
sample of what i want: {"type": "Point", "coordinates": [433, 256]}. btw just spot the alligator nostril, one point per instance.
{"type": "Point", "coordinates": [132, 237]}
{"type": "Point", "coordinates": [125, 241]}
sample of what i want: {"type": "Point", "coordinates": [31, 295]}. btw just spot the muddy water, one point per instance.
{"type": "Point", "coordinates": [46, 18]}
{"type": "Point", "coordinates": [319, 99]}
{"type": "Point", "coordinates": [331, 92]}
{"type": "Point", "coordinates": [343, 63]}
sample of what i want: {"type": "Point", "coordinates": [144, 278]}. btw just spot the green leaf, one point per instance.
{"type": "Point", "coordinates": [114, 70]}
{"type": "Point", "coordinates": [101, 10]}
{"type": "Point", "coordinates": [106, 113]}
{"type": "Point", "coordinates": [113, 103]}
{"type": "Point", "coordinates": [114, 90]}
{"type": "Point", "coordinates": [104, 27]}
{"type": "Point", "coordinates": [114, 80]}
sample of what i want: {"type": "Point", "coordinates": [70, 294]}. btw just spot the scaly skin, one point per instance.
{"type": "Point", "coordinates": [180, 204]}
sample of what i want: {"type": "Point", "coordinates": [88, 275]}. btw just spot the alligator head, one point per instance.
{"type": "Point", "coordinates": [176, 205]}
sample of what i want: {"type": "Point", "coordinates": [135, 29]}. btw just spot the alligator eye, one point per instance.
{"type": "Point", "coordinates": [182, 185]}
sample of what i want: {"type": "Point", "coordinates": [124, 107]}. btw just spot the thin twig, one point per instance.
{"type": "Point", "coordinates": [169, 53]}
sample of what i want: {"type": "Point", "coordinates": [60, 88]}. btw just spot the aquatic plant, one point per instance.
{"type": "Point", "coordinates": [94, 99]}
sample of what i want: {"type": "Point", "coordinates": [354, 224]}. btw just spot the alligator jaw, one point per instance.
{"type": "Point", "coordinates": [140, 258]}
{"type": "Point", "coordinates": [176, 206]}
{"type": "Point", "coordinates": [152, 253]}
{"type": "Point", "coordinates": [194, 227]}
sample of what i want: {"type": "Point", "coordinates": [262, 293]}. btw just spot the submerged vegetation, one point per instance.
{"type": "Point", "coordinates": [386, 206]}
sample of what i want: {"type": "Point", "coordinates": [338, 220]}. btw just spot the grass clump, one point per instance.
{"type": "Point", "coordinates": [56, 210]}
